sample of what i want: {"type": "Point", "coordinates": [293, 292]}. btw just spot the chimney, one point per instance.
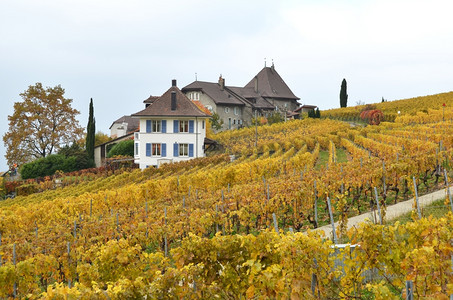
{"type": "Point", "coordinates": [173, 100]}
{"type": "Point", "coordinates": [173, 82]}
{"type": "Point", "coordinates": [256, 84]}
{"type": "Point", "coordinates": [273, 67]}
{"type": "Point", "coordinates": [221, 82]}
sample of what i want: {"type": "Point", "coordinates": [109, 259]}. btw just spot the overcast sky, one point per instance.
{"type": "Point", "coordinates": [120, 52]}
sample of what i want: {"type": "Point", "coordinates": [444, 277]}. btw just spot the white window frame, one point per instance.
{"type": "Point", "coordinates": [156, 149]}
{"type": "Point", "coordinates": [236, 110]}
{"type": "Point", "coordinates": [227, 109]}
{"type": "Point", "coordinates": [156, 126]}
{"type": "Point", "coordinates": [183, 126]}
{"type": "Point", "coordinates": [184, 150]}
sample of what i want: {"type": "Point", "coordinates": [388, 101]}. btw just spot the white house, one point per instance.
{"type": "Point", "coordinates": [172, 129]}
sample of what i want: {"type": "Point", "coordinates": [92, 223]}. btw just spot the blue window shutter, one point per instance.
{"type": "Point", "coordinates": [175, 126]}
{"type": "Point", "coordinates": [190, 150]}
{"type": "Point", "coordinates": [191, 125]}
{"type": "Point", "coordinates": [148, 149]}
{"type": "Point", "coordinates": [148, 126]}
{"type": "Point", "coordinates": [164, 126]}
{"type": "Point", "coordinates": [175, 150]}
{"type": "Point", "coordinates": [163, 150]}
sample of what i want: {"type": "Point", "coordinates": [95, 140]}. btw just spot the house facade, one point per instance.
{"type": "Point", "coordinates": [237, 106]}
{"type": "Point", "coordinates": [172, 129]}
{"type": "Point", "coordinates": [123, 126]}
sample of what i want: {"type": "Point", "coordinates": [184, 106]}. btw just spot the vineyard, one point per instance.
{"type": "Point", "coordinates": [238, 225]}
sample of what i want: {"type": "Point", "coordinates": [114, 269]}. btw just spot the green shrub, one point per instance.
{"type": "Point", "coordinates": [123, 148]}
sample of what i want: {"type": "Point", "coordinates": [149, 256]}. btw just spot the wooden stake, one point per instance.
{"type": "Point", "coordinates": [416, 198]}
{"type": "Point", "coordinates": [332, 221]}
{"type": "Point", "coordinates": [275, 223]}
{"type": "Point", "coordinates": [378, 206]}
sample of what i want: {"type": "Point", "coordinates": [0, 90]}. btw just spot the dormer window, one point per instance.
{"type": "Point", "coordinates": [194, 96]}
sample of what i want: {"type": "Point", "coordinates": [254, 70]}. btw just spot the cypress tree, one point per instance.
{"type": "Point", "coordinates": [317, 113]}
{"type": "Point", "coordinates": [91, 129]}
{"type": "Point", "coordinates": [343, 94]}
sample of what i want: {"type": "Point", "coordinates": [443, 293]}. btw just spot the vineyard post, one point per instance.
{"type": "Point", "coordinates": [75, 229]}
{"type": "Point", "coordinates": [332, 221]}
{"type": "Point", "coordinates": [383, 176]}
{"type": "Point", "coordinates": [409, 290]}
{"type": "Point", "coordinates": [378, 206]}
{"type": "Point", "coordinates": [268, 196]}
{"type": "Point", "coordinates": [361, 162]}
{"type": "Point", "coordinates": [316, 204]}
{"type": "Point", "coordinates": [14, 263]}
{"type": "Point", "coordinates": [451, 295]}
{"type": "Point", "coordinates": [228, 188]}
{"type": "Point", "coordinates": [36, 231]}
{"type": "Point", "coordinates": [314, 280]}
{"type": "Point", "coordinates": [165, 237]}
{"type": "Point", "coordinates": [448, 189]}
{"type": "Point", "coordinates": [216, 216]}
{"type": "Point", "coordinates": [188, 194]}
{"type": "Point", "coordinates": [397, 156]}
{"type": "Point", "coordinates": [146, 209]}
{"type": "Point", "coordinates": [275, 223]}
{"type": "Point", "coordinates": [196, 194]}
{"type": "Point", "coordinates": [118, 225]}
{"type": "Point", "coordinates": [342, 180]}
{"type": "Point", "coordinates": [416, 199]}
{"type": "Point", "coordinates": [69, 261]}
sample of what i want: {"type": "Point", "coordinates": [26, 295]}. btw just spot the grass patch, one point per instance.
{"type": "Point", "coordinates": [323, 157]}
{"type": "Point", "coordinates": [437, 209]}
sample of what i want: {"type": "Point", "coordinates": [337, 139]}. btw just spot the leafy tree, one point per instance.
{"type": "Point", "coordinates": [101, 138]}
{"type": "Point", "coordinates": [40, 124]}
{"type": "Point", "coordinates": [123, 148]}
{"type": "Point", "coordinates": [81, 156]}
{"type": "Point", "coordinates": [275, 117]}
{"type": "Point", "coordinates": [91, 129]}
{"type": "Point", "coordinates": [343, 94]}
{"type": "Point", "coordinates": [216, 122]}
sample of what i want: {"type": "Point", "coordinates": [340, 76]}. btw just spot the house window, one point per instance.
{"type": "Point", "coordinates": [184, 126]}
{"type": "Point", "coordinates": [183, 149]}
{"type": "Point", "coordinates": [194, 96]}
{"type": "Point", "coordinates": [236, 110]}
{"type": "Point", "coordinates": [136, 148]}
{"type": "Point", "coordinates": [227, 110]}
{"type": "Point", "coordinates": [156, 150]}
{"type": "Point", "coordinates": [155, 126]}
{"type": "Point", "coordinates": [202, 124]}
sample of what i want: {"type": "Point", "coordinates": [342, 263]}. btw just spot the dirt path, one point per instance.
{"type": "Point", "coordinates": [392, 212]}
